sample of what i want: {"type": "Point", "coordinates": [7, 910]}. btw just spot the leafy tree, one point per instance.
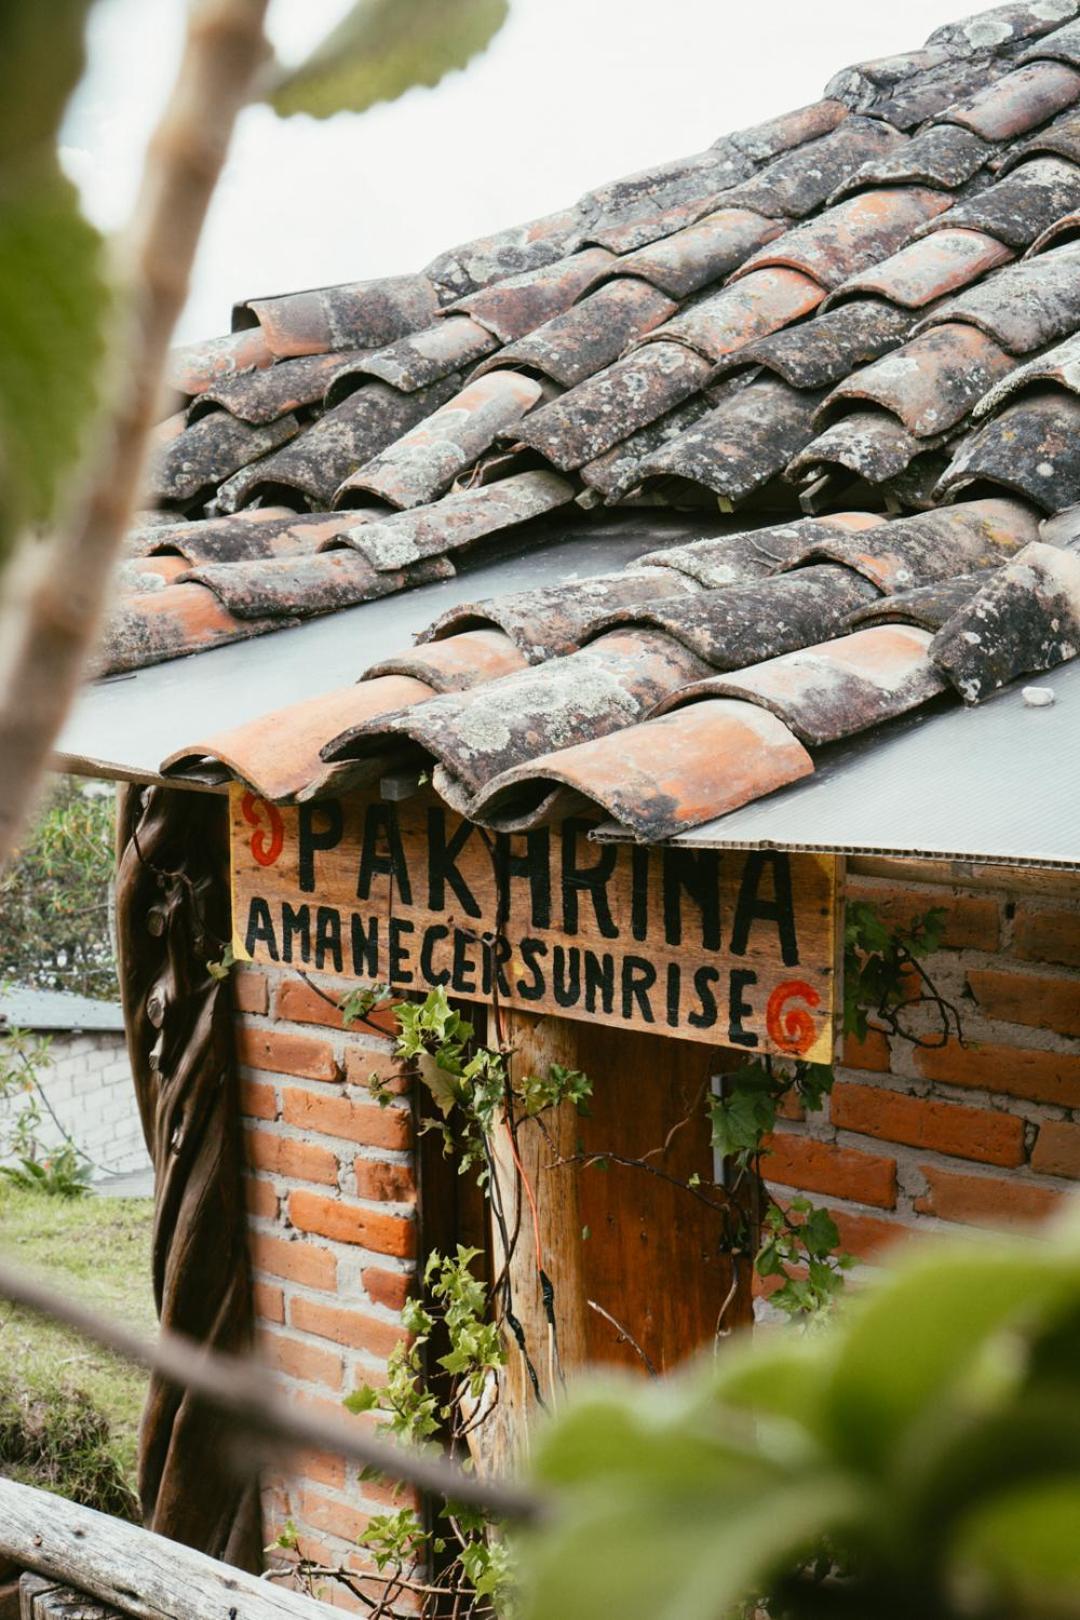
{"type": "Point", "coordinates": [54, 897]}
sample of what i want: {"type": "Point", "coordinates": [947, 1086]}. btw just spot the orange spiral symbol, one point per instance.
{"type": "Point", "coordinates": [266, 846]}
{"type": "Point", "coordinates": [791, 1028]}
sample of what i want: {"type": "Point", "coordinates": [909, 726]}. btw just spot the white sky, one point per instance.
{"type": "Point", "coordinates": [570, 94]}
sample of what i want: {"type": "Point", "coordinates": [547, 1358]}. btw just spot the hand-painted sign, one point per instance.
{"type": "Point", "coordinates": [734, 947]}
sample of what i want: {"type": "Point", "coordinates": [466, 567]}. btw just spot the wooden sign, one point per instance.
{"type": "Point", "coordinates": [733, 947]}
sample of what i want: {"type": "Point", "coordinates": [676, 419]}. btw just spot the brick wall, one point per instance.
{"type": "Point", "coordinates": [987, 1132]}
{"type": "Point", "coordinates": [332, 1201]}
{"type": "Point", "coordinates": [87, 1080]}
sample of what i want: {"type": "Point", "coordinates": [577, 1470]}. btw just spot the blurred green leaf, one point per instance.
{"type": "Point", "coordinates": [41, 47]}
{"type": "Point", "coordinates": [909, 1344]}
{"type": "Point", "coordinates": [1022, 1550]}
{"type": "Point", "coordinates": [383, 48]}
{"type": "Point", "coordinates": [53, 301]}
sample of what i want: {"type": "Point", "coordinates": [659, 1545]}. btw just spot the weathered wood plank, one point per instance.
{"type": "Point", "coordinates": [134, 1570]}
{"type": "Point", "coordinates": [727, 947]}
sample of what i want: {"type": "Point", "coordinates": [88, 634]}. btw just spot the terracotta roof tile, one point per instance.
{"type": "Point", "coordinates": [586, 338]}
{"type": "Point", "coordinates": [928, 268]}
{"type": "Point", "coordinates": [798, 183]}
{"type": "Point", "coordinates": [740, 624]}
{"type": "Point", "coordinates": [422, 463]}
{"type": "Point", "coordinates": [516, 305]}
{"type": "Point", "coordinates": [737, 448]}
{"type": "Point", "coordinates": [930, 383]}
{"type": "Point", "coordinates": [819, 352]}
{"type": "Point", "coordinates": [1063, 45]}
{"type": "Point", "coordinates": [1023, 306]}
{"type": "Point", "coordinates": [416, 361]}
{"type": "Point", "coordinates": [1018, 208]}
{"type": "Point", "coordinates": [476, 735]}
{"type": "Point", "coordinates": [943, 155]}
{"type": "Point", "coordinates": [1017, 102]}
{"type": "Point", "coordinates": [1031, 447]}
{"type": "Point", "coordinates": [261, 396]}
{"type": "Point", "coordinates": [778, 135]}
{"type": "Point", "coordinates": [659, 778]}
{"type": "Point", "coordinates": [840, 687]}
{"type": "Point", "coordinates": [724, 321]}
{"type": "Point", "coordinates": [1059, 139]}
{"type": "Point", "coordinates": [313, 468]}
{"type": "Point", "coordinates": [512, 252]}
{"type": "Point", "coordinates": [1062, 232]}
{"type": "Point", "coordinates": [1025, 618]}
{"type": "Point", "coordinates": [456, 664]}
{"type": "Point", "coordinates": [355, 315]}
{"type": "Point", "coordinates": [301, 585]}
{"type": "Point", "coordinates": [401, 538]}
{"type": "Point", "coordinates": [851, 235]}
{"type": "Point", "coordinates": [198, 459]}
{"type": "Point", "coordinates": [737, 559]}
{"type": "Point", "coordinates": [690, 258]}
{"type": "Point", "coordinates": [245, 536]}
{"type": "Point", "coordinates": [931, 546]}
{"type": "Point", "coordinates": [171, 623]}
{"type": "Point", "coordinates": [1003, 25]}
{"type": "Point", "coordinates": [196, 366]}
{"type": "Point", "coordinates": [607, 408]}
{"type": "Point", "coordinates": [927, 95]}
{"type": "Point", "coordinates": [1060, 365]}
{"type": "Point", "coordinates": [553, 622]}
{"type": "Point", "coordinates": [927, 606]}
{"type": "Point", "coordinates": [872, 444]}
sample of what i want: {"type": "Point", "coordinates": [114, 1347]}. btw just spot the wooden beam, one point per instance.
{"type": "Point", "coordinates": [134, 1570]}
{"type": "Point", "coordinates": [638, 1262]}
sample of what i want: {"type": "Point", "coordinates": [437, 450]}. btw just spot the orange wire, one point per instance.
{"type": "Point", "coordinates": [529, 1195]}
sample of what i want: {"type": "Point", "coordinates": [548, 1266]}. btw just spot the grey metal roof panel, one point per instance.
{"type": "Point", "coordinates": [1000, 782]}
{"type": "Point", "coordinates": [23, 1008]}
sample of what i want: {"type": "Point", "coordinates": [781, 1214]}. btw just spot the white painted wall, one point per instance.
{"type": "Point", "coordinates": [88, 1082]}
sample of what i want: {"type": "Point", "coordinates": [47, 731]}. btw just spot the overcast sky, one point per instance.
{"type": "Point", "coordinates": [571, 93]}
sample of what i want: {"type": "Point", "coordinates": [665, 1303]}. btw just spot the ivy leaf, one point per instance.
{"type": "Point", "coordinates": [1024, 1544]}
{"type": "Point", "coordinates": [53, 303]}
{"type": "Point", "coordinates": [382, 48]}
{"type": "Point", "coordinates": [43, 53]}
{"type": "Point", "coordinates": [438, 1081]}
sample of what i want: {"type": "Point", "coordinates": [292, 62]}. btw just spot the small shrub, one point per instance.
{"type": "Point", "coordinates": [58, 1440]}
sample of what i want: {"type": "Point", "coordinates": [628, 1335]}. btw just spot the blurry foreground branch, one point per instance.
{"type": "Point", "coordinates": [244, 1393]}
{"type": "Point", "coordinates": [58, 589]}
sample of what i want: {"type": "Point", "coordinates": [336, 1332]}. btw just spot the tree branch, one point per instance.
{"type": "Point", "coordinates": [243, 1391]}
{"type": "Point", "coordinates": [57, 590]}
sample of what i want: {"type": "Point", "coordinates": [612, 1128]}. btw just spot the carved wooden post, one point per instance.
{"type": "Point", "coordinates": [172, 920]}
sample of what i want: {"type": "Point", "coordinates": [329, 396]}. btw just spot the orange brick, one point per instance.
{"type": "Point", "coordinates": [306, 1361]}
{"type": "Point", "coordinates": [335, 1518]}
{"type": "Point", "coordinates": [334, 1115]}
{"type": "Point", "coordinates": [269, 1302]}
{"type": "Point", "coordinates": [971, 921]}
{"type": "Point", "coordinates": [283, 1053]}
{"type": "Point", "coordinates": [390, 1183]}
{"type": "Point", "coordinates": [893, 1116]}
{"type": "Point", "coordinates": [1043, 1001]}
{"type": "Point", "coordinates": [323, 1467]}
{"type": "Point", "coordinates": [361, 1062]}
{"type": "Point", "coordinates": [800, 1161]}
{"type": "Point", "coordinates": [346, 1223]}
{"type": "Point", "coordinates": [1052, 1077]}
{"type": "Point", "coordinates": [985, 1200]}
{"type": "Point", "coordinates": [390, 1288]}
{"type": "Point", "coordinates": [345, 1327]}
{"type": "Point", "coordinates": [261, 1197]}
{"type": "Point", "coordinates": [1047, 935]}
{"type": "Point", "coordinates": [286, 1156]}
{"type": "Point", "coordinates": [867, 1236]}
{"type": "Point", "coordinates": [299, 1003]}
{"type": "Point", "coordinates": [257, 1100]}
{"type": "Point", "coordinates": [1057, 1150]}
{"type": "Point", "coordinates": [251, 993]}
{"type": "Point", "coordinates": [296, 1261]}
{"type": "Point", "coordinates": [870, 1053]}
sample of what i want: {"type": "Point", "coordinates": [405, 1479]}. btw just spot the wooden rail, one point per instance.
{"type": "Point", "coordinates": [131, 1569]}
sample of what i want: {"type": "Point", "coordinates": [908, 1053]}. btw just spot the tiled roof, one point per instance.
{"type": "Point", "coordinates": [861, 318]}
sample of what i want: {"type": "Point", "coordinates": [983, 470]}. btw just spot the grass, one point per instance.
{"type": "Point", "coordinates": [99, 1250]}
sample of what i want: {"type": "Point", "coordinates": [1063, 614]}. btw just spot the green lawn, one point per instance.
{"type": "Point", "coordinates": [99, 1250]}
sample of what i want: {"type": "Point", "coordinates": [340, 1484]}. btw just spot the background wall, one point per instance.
{"type": "Point", "coordinates": [88, 1083]}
